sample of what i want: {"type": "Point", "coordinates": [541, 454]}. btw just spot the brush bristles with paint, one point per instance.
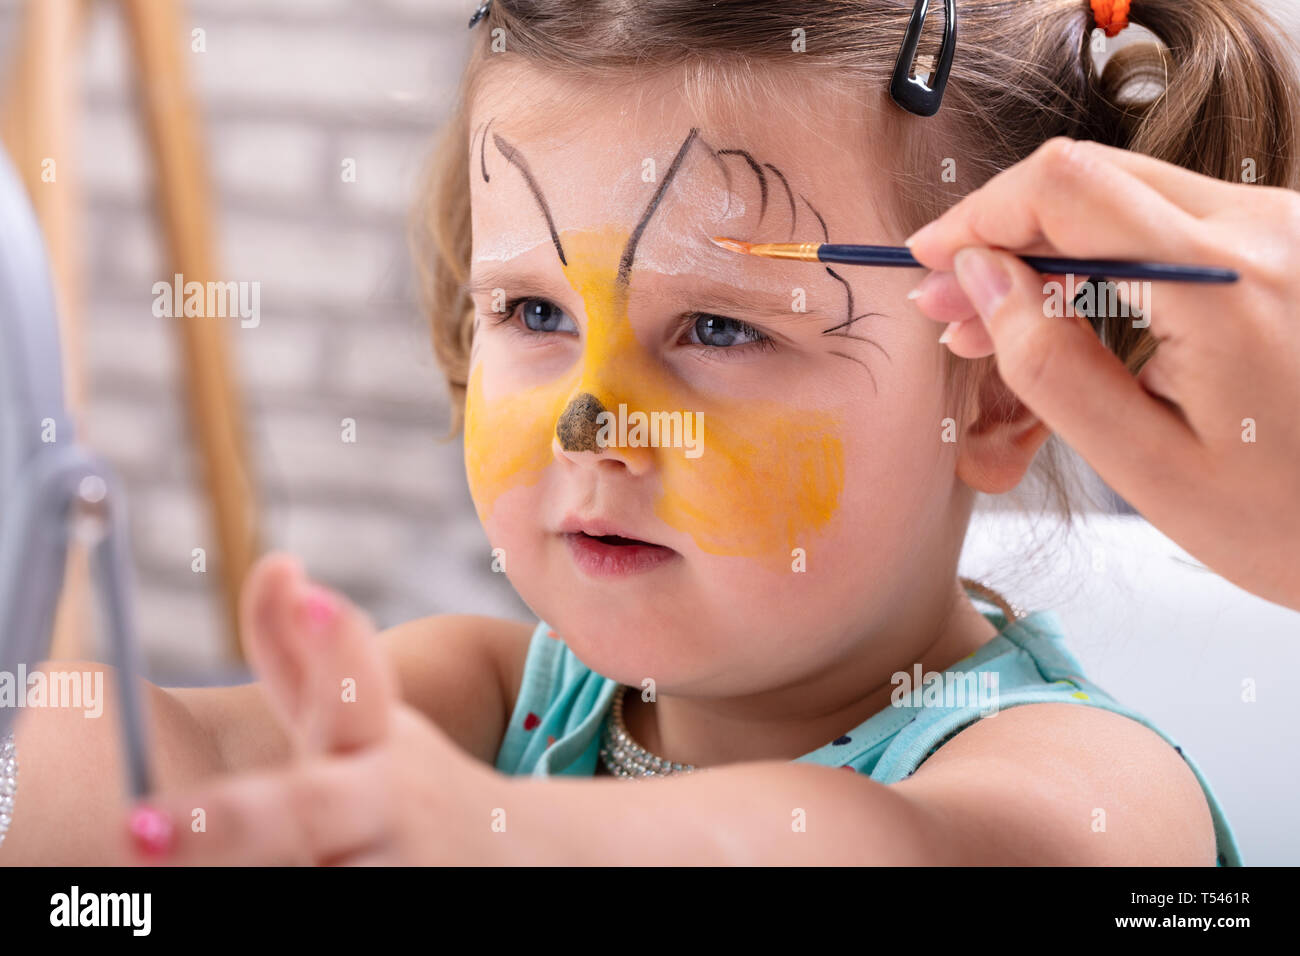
{"type": "Point", "coordinates": [1047, 265]}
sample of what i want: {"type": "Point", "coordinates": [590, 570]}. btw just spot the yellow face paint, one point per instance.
{"type": "Point", "coordinates": [769, 478]}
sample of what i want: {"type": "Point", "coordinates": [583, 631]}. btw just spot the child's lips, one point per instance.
{"type": "Point", "coordinates": [607, 532]}
{"type": "Point", "coordinates": [604, 556]}
{"type": "Point", "coordinates": [602, 548]}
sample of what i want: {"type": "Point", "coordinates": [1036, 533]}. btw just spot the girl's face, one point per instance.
{"type": "Point", "coordinates": [790, 453]}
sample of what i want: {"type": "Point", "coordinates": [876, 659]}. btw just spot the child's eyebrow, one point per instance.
{"type": "Point", "coordinates": [705, 295]}
{"type": "Point", "coordinates": [691, 295]}
{"type": "Point", "coordinates": [487, 279]}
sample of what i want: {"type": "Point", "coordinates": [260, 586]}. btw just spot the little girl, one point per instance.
{"type": "Point", "coordinates": [767, 596]}
{"type": "Point", "coordinates": [739, 486]}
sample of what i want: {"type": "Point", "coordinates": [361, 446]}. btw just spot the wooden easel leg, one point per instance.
{"type": "Point", "coordinates": [159, 41]}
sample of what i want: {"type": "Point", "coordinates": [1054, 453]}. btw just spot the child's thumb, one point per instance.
{"type": "Point", "coordinates": [351, 690]}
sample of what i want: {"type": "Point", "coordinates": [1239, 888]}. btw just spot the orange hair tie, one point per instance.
{"type": "Point", "coordinates": [1111, 15]}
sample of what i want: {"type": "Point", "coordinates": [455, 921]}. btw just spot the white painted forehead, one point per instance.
{"type": "Point", "coordinates": [702, 201]}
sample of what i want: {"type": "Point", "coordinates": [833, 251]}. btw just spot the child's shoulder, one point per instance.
{"type": "Point", "coordinates": [513, 647]}
{"type": "Point", "coordinates": [426, 648]}
{"type": "Point", "coordinates": [1051, 714]}
{"type": "Point", "coordinates": [504, 638]}
{"type": "Point", "coordinates": [1102, 788]}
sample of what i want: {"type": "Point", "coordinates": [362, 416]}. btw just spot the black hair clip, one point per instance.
{"type": "Point", "coordinates": [480, 13]}
{"type": "Point", "coordinates": [909, 92]}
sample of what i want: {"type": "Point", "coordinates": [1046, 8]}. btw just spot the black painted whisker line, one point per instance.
{"type": "Point", "coordinates": [758, 171]}
{"type": "Point", "coordinates": [482, 153]}
{"type": "Point", "coordinates": [825, 232]}
{"type": "Point", "coordinates": [848, 322]}
{"type": "Point", "coordinates": [629, 252]}
{"type": "Point", "coordinates": [854, 358]}
{"type": "Point", "coordinates": [794, 210]}
{"type": "Point", "coordinates": [834, 330]}
{"type": "Point", "coordinates": [848, 290]}
{"type": "Point", "coordinates": [869, 341]}
{"type": "Point", "coordinates": [513, 157]}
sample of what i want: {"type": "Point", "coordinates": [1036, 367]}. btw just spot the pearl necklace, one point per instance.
{"type": "Point", "coordinates": [624, 757]}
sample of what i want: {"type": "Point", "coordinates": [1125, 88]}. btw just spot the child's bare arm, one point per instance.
{"type": "Point", "coordinates": [1022, 789]}
{"type": "Point", "coordinates": [449, 667]}
{"type": "Point", "coordinates": [71, 806]}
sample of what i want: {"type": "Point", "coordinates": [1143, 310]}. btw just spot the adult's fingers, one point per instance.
{"type": "Point", "coordinates": [1068, 200]}
{"type": "Point", "coordinates": [1170, 309]}
{"type": "Point", "coordinates": [1063, 373]}
{"type": "Point", "coordinates": [940, 298]}
{"type": "Point", "coordinates": [1196, 193]}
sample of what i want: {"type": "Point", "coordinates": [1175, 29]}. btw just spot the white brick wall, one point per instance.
{"type": "Point", "coordinates": [287, 89]}
{"type": "Point", "coordinates": [270, 161]}
{"type": "Point", "coordinates": [386, 166]}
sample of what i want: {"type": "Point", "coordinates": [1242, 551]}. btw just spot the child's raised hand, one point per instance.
{"type": "Point", "coordinates": [1205, 441]}
{"type": "Point", "coordinates": [371, 781]}
{"type": "Point", "coordinates": [322, 672]}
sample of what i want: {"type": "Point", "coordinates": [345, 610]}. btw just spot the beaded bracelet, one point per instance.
{"type": "Point", "coordinates": [8, 782]}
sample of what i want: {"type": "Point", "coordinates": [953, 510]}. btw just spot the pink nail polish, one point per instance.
{"type": "Point", "coordinates": [151, 831]}
{"type": "Point", "coordinates": [320, 606]}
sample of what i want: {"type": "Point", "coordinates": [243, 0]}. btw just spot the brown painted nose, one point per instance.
{"type": "Point", "coordinates": [577, 427]}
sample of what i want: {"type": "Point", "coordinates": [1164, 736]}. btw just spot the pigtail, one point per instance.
{"type": "Point", "coordinates": [1218, 95]}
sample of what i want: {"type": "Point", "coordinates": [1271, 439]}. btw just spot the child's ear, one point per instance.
{"type": "Point", "coordinates": [1001, 438]}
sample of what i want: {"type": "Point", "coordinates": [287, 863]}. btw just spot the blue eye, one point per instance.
{"type": "Point", "coordinates": [539, 315]}
{"type": "Point", "coordinates": [720, 332]}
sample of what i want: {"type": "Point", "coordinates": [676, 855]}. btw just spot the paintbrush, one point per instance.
{"type": "Point", "coordinates": [900, 256]}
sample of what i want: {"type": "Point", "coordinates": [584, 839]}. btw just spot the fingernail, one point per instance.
{"type": "Point", "coordinates": [320, 606]}
{"type": "Point", "coordinates": [951, 330]}
{"type": "Point", "coordinates": [983, 279]}
{"type": "Point", "coordinates": [920, 233]}
{"type": "Point", "coordinates": [931, 278]}
{"type": "Point", "coordinates": [151, 831]}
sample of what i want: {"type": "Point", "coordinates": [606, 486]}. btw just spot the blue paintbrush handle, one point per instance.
{"type": "Point", "coordinates": [1110, 268]}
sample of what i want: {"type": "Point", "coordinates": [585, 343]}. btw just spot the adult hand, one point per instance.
{"type": "Point", "coordinates": [372, 780]}
{"type": "Point", "coordinates": [1205, 441]}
